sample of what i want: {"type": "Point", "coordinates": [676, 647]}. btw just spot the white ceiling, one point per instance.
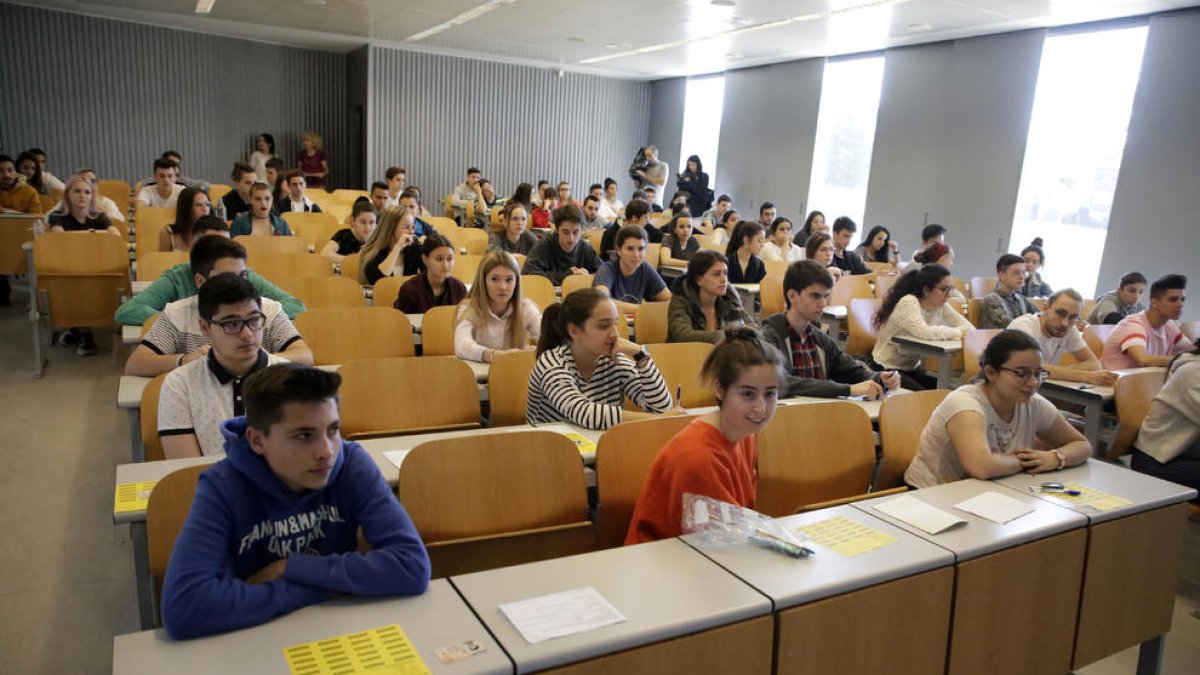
{"type": "Point", "coordinates": [694, 36]}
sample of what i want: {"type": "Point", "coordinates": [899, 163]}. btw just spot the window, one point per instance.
{"type": "Point", "coordinates": [703, 102]}
{"type": "Point", "coordinates": [845, 136]}
{"type": "Point", "coordinates": [1076, 138]}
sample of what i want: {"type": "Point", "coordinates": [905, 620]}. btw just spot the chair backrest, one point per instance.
{"type": "Point", "coordinates": [981, 286]}
{"type": "Point", "coordinates": [151, 266]}
{"type": "Point", "coordinates": [47, 202]}
{"type": "Point", "coordinates": [346, 196]}
{"type": "Point", "coordinates": [959, 285]}
{"type": "Point", "coordinates": [1095, 335]}
{"type": "Point", "coordinates": [594, 237]}
{"type": "Point", "coordinates": [539, 290]}
{"type": "Point", "coordinates": [322, 198]}
{"type": "Point", "coordinates": [679, 363]}
{"type": "Point", "coordinates": [316, 292]}
{"type": "Point", "coordinates": [1191, 329]}
{"type": "Point", "coordinates": [623, 459]}
{"type": "Point", "coordinates": [151, 443]}
{"type": "Point", "coordinates": [653, 254]}
{"type": "Point", "coordinates": [860, 326]}
{"type": "Point", "coordinates": [879, 267]}
{"type": "Point", "coordinates": [150, 221]}
{"type": "Point", "coordinates": [1133, 395]}
{"type": "Point", "coordinates": [166, 510]}
{"type": "Point", "coordinates": [387, 290]}
{"type": "Point", "coordinates": [15, 231]}
{"type": "Point", "coordinates": [465, 267]}
{"type": "Point", "coordinates": [441, 223]}
{"type": "Point", "coordinates": [388, 396]}
{"type": "Point", "coordinates": [338, 335]}
{"type": "Point", "coordinates": [448, 201]}
{"type": "Point", "coordinates": [770, 291]}
{"type": "Point", "coordinates": [280, 265]}
{"type": "Point", "coordinates": [797, 467]}
{"type": "Point", "coordinates": [437, 331]}
{"type": "Point", "coordinates": [256, 246]}
{"type": "Point", "coordinates": [340, 212]}
{"type": "Point", "coordinates": [466, 240]}
{"type": "Point", "coordinates": [902, 419]}
{"type": "Point", "coordinates": [350, 266]}
{"type": "Point", "coordinates": [974, 306]}
{"type": "Point", "coordinates": [118, 191]}
{"type": "Point", "coordinates": [650, 322]}
{"type": "Point", "coordinates": [974, 342]}
{"type": "Point", "coordinates": [776, 268]}
{"type": "Point", "coordinates": [884, 283]}
{"type": "Point", "coordinates": [508, 387]}
{"type": "Point", "coordinates": [314, 229]}
{"type": "Point", "coordinates": [851, 286]}
{"type": "Point", "coordinates": [218, 190]}
{"type": "Point", "coordinates": [574, 282]}
{"type": "Point", "coordinates": [83, 276]}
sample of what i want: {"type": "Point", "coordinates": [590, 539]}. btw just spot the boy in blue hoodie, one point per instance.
{"type": "Point", "coordinates": [273, 527]}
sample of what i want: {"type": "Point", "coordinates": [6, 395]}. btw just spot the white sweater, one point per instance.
{"type": "Point", "coordinates": [1172, 425]}
{"type": "Point", "coordinates": [470, 342]}
{"type": "Point", "coordinates": [908, 319]}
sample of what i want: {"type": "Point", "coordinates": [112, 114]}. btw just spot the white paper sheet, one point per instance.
{"type": "Point", "coordinates": [919, 514]}
{"type": "Point", "coordinates": [995, 507]}
{"type": "Point", "coordinates": [396, 456]}
{"type": "Point", "coordinates": [566, 613]}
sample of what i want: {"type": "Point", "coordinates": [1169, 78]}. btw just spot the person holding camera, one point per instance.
{"type": "Point", "coordinates": [651, 173]}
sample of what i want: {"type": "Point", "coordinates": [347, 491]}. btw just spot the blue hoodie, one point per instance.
{"type": "Point", "coordinates": [244, 518]}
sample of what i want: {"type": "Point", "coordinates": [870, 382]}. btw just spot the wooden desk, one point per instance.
{"type": "Point", "coordinates": [886, 610]}
{"type": "Point", "coordinates": [1091, 397]}
{"type": "Point", "coordinates": [139, 286]}
{"type": "Point", "coordinates": [942, 350]}
{"type": "Point", "coordinates": [1016, 596]}
{"type": "Point", "coordinates": [1133, 557]}
{"type": "Point", "coordinates": [437, 618]}
{"type": "Point", "coordinates": [684, 614]}
{"type": "Point", "coordinates": [129, 399]}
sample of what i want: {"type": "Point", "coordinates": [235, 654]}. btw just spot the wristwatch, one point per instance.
{"type": "Point", "coordinates": [640, 357]}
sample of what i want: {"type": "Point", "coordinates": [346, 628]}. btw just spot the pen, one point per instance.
{"type": "Point", "coordinates": [679, 395]}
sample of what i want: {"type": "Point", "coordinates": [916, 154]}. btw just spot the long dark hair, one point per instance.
{"type": "Point", "coordinates": [807, 229]}
{"type": "Point", "coordinates": [1036, 247]}
{"type": "Point", "coordinates": [1001, 347]}
{"type": "Point", "coordinates": [747, 229]}
{"type": "Point", "coordinates": [524, 196]}
{"type": "Point", "coordinates": [37, 181]}
{"type": "Point", "coordinates": [913, 282]}
{"type": "Point", "coordinates": [573, 310]}
{"type": "Point", "coordinates": [182, 227]}
{"type": "Point", "coordinates": [699, 165]}
{"type": "Point", "coordinates": [882, 254]}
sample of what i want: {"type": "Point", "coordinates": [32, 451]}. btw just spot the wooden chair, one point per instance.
{"type": "Point", "coordinates": [340, 213]}
{"type": "Point", "coordinates": [271, 245]}
{"type": "Point", "coordinates": [323, 199]}
{"type": "Point", "coordinates": [981, 286]}
{"type": "Point", "coordinates": [437, 331]}
{"type": "Point", "coordinates": [441, 223]}
{"type": "Point", "coordinates": [350, 266]}
{"type": "Point", "coordinates": [348, 196]}
{"type": "Point", "coordinates": [770, 291]}
{"type": "Point", "coordinates": [650, 322]}
{"type": "Point", "coordinates": [46, 202]}
{"type": "Point", "coordinates": [594, 238]}
{"type": "Point", "coordinates": [15, 231]}
{"type": "Point", "coordinates": [575, 282]}
{"type": "Point", "coordinates": [149, 222]}
{"type": "Point", "coordinates": [314, 229]}
{"type": "Point", "coordinates": [147, 325]}
{"type": "Point", "coordinates": [679, 363]}
{"type": "Point", "coordinates": [959, 285]}
{"type": "Point", "coordinates": [1133, 395]}
{"type": "Point", "coordinates": [282, 265]}
{"type": "Point", "coordinates": [465, 267]}
{"type": "Point", "coordinates": [623, 459]}
{"type": "Point", "coordinates": [799, 469]}
{"type": "Point", "coordinates": [391, 396]}
{"type": "Point", "coordinates": [166, 510]}
{"type": "Point", "coordinates": [1095, 335]}
{"type": "Point", "coordinates": [497, 499]}
{"type": "Point", "coordinates": [337, 335]}
{"type": "Point", "coordinates": [851, 286]}
{"type": "Point", "coordinates": [83, 276]}
{"type": "Point", "coordinates": [520, 258]}
{"type": "Point", "coordinates": [448, 200]}
{"type": "Point", "coordinates": [902, 419]}
{"type": "Point", "coordinates": [880, 268]}
{"type": "Point", "coordinates": [860, 326]}
{"type": "Point", "coordinates": [151, 443]}
{"type": "Point", "coordinates": [974, 342]}
{"type": "Point", "coordinates": [218, 190]}
{"type": "Point", "coordinates": [151, 266]}
{"type": "Point", "coordinates": [1189, 328]}
{"type": "Point", "coordinates": [387, 290]}
{"type": "Point", "coordinates": [974, 307]}
{"type": "Point", "coordinates": [776, 268]}
{"type": "Point", "coordinates": [539, 290]}
{"type": "Point", "coordinates": [116, 190]}
{"type": "Point", "coordinates": [884, 283]}
{"type": "Point", "coordinates": [467, 240]}
{"type": "Point", "coordinates": [508, 387]}
{"type": "Point", "coordinates": [653, 254]}
{"type": "Point", "coordinates": [317, 292]}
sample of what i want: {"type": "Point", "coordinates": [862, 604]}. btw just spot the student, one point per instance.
{"type": "Point", "coordinates": [711, 219]}
{"type": "Point", "coordinates": [705, 303]}
{"type": "Point", "coordinates": [274, 178]}
{"type": "Point", "coordinates": [180, 282]}
{"type": "Point", "coordinates": [766, 214]}
{"type": "Point", "coordinates": [350, 240]}
{"type": "Point", "coordinates": [843, 258]}
{"type": "Point", "coordinates": [207, 389]}
{"type": "Point", "coordinates": [391, 250]}
{"type": "Point", "coordinates": [522, 195]}
{"type": "Point", "coordinates": [1126, 300]}
{"type": "Point", "coordinates": [378, 195]}
{"type": "Point", "coordinates": [720, 234]}
{"type": "Point", "coordinates": [1168, 443]}
{"type": "Point", "coordinates": [435, 286]}
{"type": "Point", "coordinates": [541, 210]}
{"type": "Point", "coordinates": [745, 267]}
{"type": "Point", "coordinates": [878, 246]}
{"type": "Point", "coordinates": [15, 196]}
{"type": "Point", "coordinates": [563, 196]}
{"type": "Point", "coordinates": [941, 254]}
{"type": "Point", "coordinates": [191, 206]}
{"type": "Point", "coordinates": [820, 249]}
{"type": "Point", "coordinates": [716, 454]}
{"type": "Point", "coordinates": [496, 318]}
{"type": "Point", "coordinates": [51, 181]}
{"type": "Point", "coordinates": [27, 166]}
{"type": "Point", "coordinates": [678, 245]}
{"type": "Point", "coordinates": [930, 235]}
{"type": "Point", "coordinates": [989, 428]}
{"type": "Point", "coordinates": [538, 195]}
{"type": "Point", "coordinates": [651, 197]}
{"type": "Point", "coordinates": [815, 222]}
{"type": "Point", "coordinates": [566, 252]}
{"type": "Point", "coordinates": [611, 206]}
{"type": "Point", "coordinates": [296, 200]}
{"type": "Point", "coordinates": [585, 370]}
{"type": "Point", "coordinates": [591, 214]}
{"type": "Point", "coordinates": [465, 193]}
{"type": "Point", "coordinates": [630, 280]}
{"type": "Point", "coordinates": [107, 206]}
{"type": "Point", "coordinates": [780, 246]}
{"type": "Point", "coordinates": [1035, 258]}
{"type": "Point", "coordinates": [411, 200]}
{"type": "Point", "coordinates": [311, 161]}
{"type": "Point", "coordinates": [178, 336]}
{"type": "Point", "coordinates": [396, 177]}
{"type": "Point", "coordinates": [264, 151]}
{"type": "Point", "coordinates": [79, 211]}
{"type": "Point", "coordinates": [1055, 331]}
{"type": "Point", "coordinates": [486, 204]}
{"type": "Point", "coordinates": [636, 213]}
{"type": "Point", "coordinates": [275, 526]}
{"type": "Point", "coordinates": [817, 366]}
{"type": "Point", "coordinates": [694, 181]}
{"type": "Point", "coordinates": [260, 220]}
{"type": "Point", "coordinates": [1005, 302]}
{"type": "Point", "coordinates": [180, 179]}
{"type": "Point", "coordinates": [1150, 338]}
{"type": "Point", "coordinates": [515, 237]}
{"type": "Point", "coordinates": [237, 200]}
{"type": "Point", "coordinates": [916, 308]}
{"type": "Point", "coordinates": [165, 191]}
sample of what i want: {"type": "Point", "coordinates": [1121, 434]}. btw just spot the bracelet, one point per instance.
{"type": "Point", "coordinates": [1062, 461]}
{"type": "Point", "coordinates": [179, 360]}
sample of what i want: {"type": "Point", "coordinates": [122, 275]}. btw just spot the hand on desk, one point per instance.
{"type": "Point", "coordinates": [1036, 461]}
{"type": "Point", "coordinates": [868, 389]}
{"type": "Point", "coordinates": [269, 573]}
{"type": "Point", "coordinates": [1102, 378]}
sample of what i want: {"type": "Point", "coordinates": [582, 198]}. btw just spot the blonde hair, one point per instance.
{"type": "Point", "coordinates": [475, 306]}
{"type": "Point", "coordinates": [313, 136]}
{"type": "Point", "coordinates": [381, 238]}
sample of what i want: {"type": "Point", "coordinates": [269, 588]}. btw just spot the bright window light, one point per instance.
{"type": "Point", "coordinates": [1076, 138]}
{"type": "Point", "coordinates": [845, 136]}
{"type": "Point", "coordinates": [702, 107]}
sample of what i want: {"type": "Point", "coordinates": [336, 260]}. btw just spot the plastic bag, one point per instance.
{"type": "Point", "coordinates": [724, 524]}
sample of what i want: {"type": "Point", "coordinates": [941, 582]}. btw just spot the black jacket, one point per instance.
{"type": "Point", "coordinates": [841, 369]}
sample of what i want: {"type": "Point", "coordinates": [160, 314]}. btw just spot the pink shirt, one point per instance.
{"type": "Point", "coordinates": [1135, 329]}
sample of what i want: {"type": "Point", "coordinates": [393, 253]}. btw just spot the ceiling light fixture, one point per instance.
{"type": "Point", "coordinates": [204, 6]}
{"type": "Point", "coordinates": [469, 15]}
{"type": "Point", "coordinates": [814, 16]}
{"type": "Point", "coordinates": [723, 3]}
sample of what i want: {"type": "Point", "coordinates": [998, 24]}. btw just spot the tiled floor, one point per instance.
{"type": "Point", "coordinates": [66, 572]}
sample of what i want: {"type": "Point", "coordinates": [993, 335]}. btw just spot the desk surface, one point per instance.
{"type": "Point", "coordinates": [789, 581]}
{"type": "Point", "coordinates": [835, 312]}
{"type": "Point", "coordinates": [665, 590]}
{"type": "Point", "coordinates": [131, 335]}
{"type": "Point", "coordinates": [1145, 492]}
{"type": "Point", "coordinates": [930, 346]}
{"type": "Point", "coordinates": [747, 288]}
{"type": "Point", "coordinates": [1079, 391]}
{"type": "Point", "coordinates": [437, 618]}
{"type": "Point", "coordinates": [981, 536]}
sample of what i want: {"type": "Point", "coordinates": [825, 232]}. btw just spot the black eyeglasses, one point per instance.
{"type": "Point", "coordinates": [235, 326]}
{"type": "Point", "coordinates": [1024, 374]}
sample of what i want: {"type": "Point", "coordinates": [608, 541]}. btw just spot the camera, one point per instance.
{"type": "Point", "coordinates": [640, 163]}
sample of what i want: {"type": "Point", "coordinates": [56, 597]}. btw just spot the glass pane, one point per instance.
{"type": "Point", "coordinates": [1076, 138]}
{"type": "Point", "coordinates": [702, 107]}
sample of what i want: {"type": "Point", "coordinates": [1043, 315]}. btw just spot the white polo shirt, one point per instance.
{"type": "Point", "coordinates": [1052, 348]}
{"type": "Point", "coordinates": [177, 330]}
{"type": "Point", "coordinates": [149, 195]}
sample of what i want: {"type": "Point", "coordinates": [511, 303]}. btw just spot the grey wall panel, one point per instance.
{"type": "Point", "coordinates": [1155, 221]}
{"type": "Point", "coordinates": [436, 115]}
{"type": "Point", "coordinates": [950, 140]}
{"type": "Point", "coordinates": [768, 127]}
{"type": "Point", "coordinates": [667, 99]}
{"type": "Point", "coordinates": [113, 95]}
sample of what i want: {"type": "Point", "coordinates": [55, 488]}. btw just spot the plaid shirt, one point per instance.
{"type": "Point", "coordinates": [806, 358]}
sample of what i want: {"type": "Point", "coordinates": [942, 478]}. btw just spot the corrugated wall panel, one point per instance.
{"type": "Point", "coordinates": [436, 115]}
{"type": "Point", "coordinates": [113, 95]}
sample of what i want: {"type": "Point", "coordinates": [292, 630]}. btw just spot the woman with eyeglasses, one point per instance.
{"type": "Point", "coordinates": [991, 427]}
{"type": "Point", "coordinates": [916, 308]}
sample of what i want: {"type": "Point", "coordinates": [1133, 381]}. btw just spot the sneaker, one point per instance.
{"type": "Point", "coordinates": [87, 346]}
{"type": "Point", "coordinates": [68, 338]}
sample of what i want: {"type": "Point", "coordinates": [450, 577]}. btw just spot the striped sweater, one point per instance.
{"type": "Point", "coordinates": [558, 393]}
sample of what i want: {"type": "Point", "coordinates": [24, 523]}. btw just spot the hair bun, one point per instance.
{"type": "Point", "coordinates": [741, 333]}
{"type": "Point", "coordinates": [1036, 242]}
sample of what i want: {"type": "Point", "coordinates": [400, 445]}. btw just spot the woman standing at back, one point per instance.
{"type": "Point", "coordinates": [916, 308]}
{"type": "Point", "coordinates": [312, 162]}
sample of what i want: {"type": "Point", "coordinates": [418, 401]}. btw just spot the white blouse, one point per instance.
{"type": "Point", "coordinates": [470, 341]}
{"type": "Point", "coordinates": [909, 319]}
{"type": "Point", "coordinates": [771, 251]}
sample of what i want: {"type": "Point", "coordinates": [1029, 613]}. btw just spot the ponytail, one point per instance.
{"type": "Point", "coordinates": [741, 348]}
{"type": "Point", "coordinates": [574, 309]}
